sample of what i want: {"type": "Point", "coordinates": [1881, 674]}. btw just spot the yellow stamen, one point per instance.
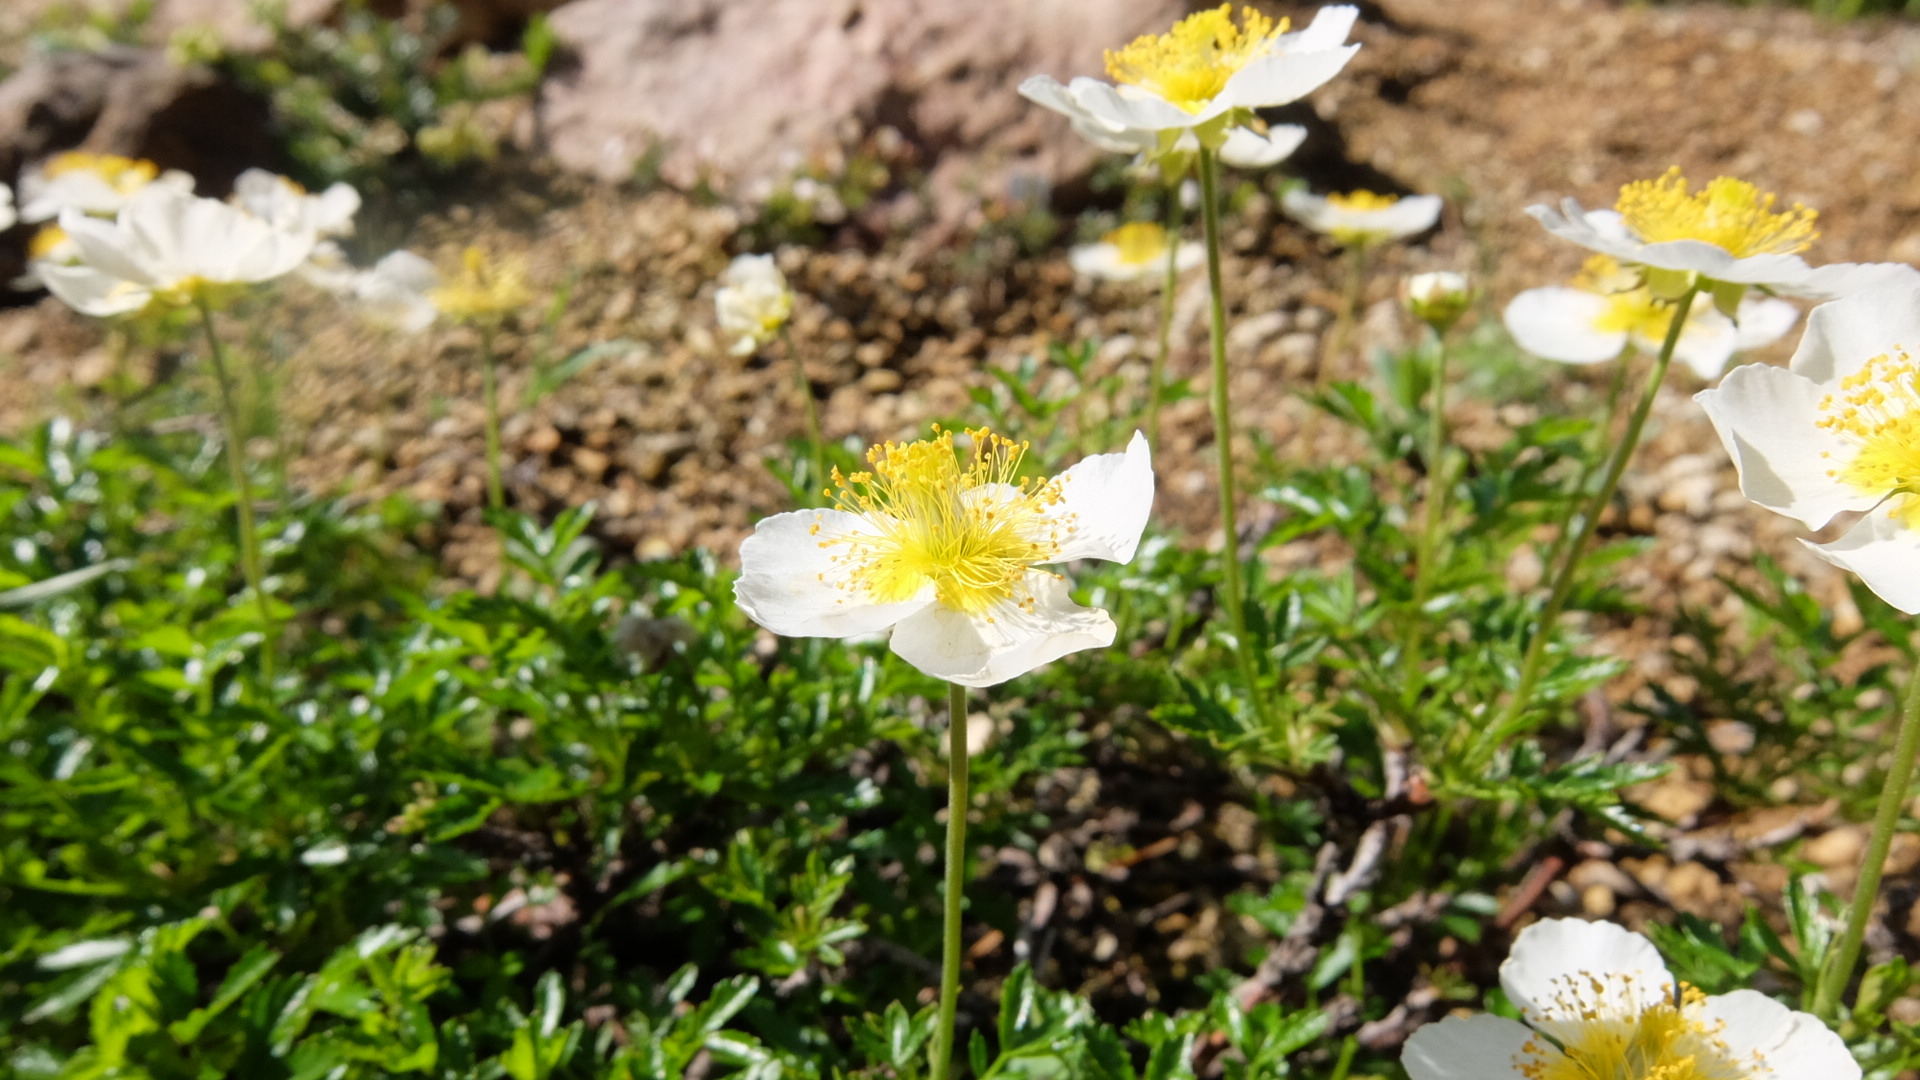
{"type": "Point", "coordinates": [1877, 409]}
{"type": "Point", "coordinates": [1138, 243]}
{"type": "Point", "coordinates": [47, 242]}
{"type": "Point", "coordinates": [1631, 307]}
{"type": "Point", "coordinates": [1667, 1041]}
{"type": "Point", "coordinates": [1189, 65]}
{"type": "Point", "coordinates": [1359, 202]}
{"type": "Point", "coordinates": [970, 531]}
{"type": "Point", "coordinates": [485, 289]}
{"type": "Point", "coordinates": [126, 175]}
{"type": "Point", "coordinates": [1728, 213]}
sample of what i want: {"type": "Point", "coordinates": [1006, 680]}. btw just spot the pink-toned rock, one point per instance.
{"type": "Point", "coordinates": [743, 90]}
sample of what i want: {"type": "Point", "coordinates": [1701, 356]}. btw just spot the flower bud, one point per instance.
{"type": "Point", "coordinates": [1439, 298]}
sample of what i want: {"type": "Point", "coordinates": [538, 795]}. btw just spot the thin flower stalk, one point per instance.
{"type": "Point", "coordinates": [1157, 377]}
{"type": "Point", "coordinates": [956, 880]}
{"type": "Point", "coordinates": [1886, 820]}
{"type": "Point", "coordinates": [1427, 553]}
{"type": "Point", "coordinates": [243, 491]}
{"type": "Point", "coordinates": [1342, 332]}
{"type": "Point", "coordinates": [1576, 550]}
{"type": "Point", "coordinates": [816, 439]}
{"type": "Point", "coordinates": [1233, 592]}
{"type": "Point", "coordinates": [490, 390]}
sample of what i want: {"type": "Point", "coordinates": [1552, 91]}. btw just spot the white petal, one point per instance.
{"type": "Point", "coordinates": [1884, 553]}
{"type": "Point", "coordinates": [91, 292]}
{"type": "Point", "coordinates": [1306, 207]}
{"type": "Point", "coordinates": [105, 247]}
{"type": "Point", "coordinates": [1792, 1044]}
{"type": "Point", "coordinates": [333, 210]}
{"type": "Point", "coordinates": [7, 215]}
{"type": "Point", "coordinates": [1246, 150]}
{"type": "Point", "coordinates": [1839, 280]}
{"type": "Point", "coordinates": [1482, 1047]}
{"type": "Point", "coordinates": [1707, 342]}
{"type": "Point", "coordinates": [1103, 261]}
{"type": "Point", "coordinates": [1554, 958]}
{"type": "Point", "coordinates": [1114, 142]}
{"type": "Point", "coordinates": [1767, 419]}
{"type": "Point", "coordinates": [1139, 112]}
{"type": "Point", "coordinates": [1846, 333]}
{"type": "Point", "coordinates": [790, 584]}
{"type": "Point", "coordinates": [1560, 324]}
{"type": "Point", "coordinates": [1764, 321]}
{"type": "Point", "coordinates": [1105, 500]}
{"type": "Point", "coordinates": [976, 650]}
{"type": "Point", "coordinates": [1189, 254]}
{"type": "Point", "coordinates": [1329, 30]}
{"type": "Point", "coordinates": [1283, 78]}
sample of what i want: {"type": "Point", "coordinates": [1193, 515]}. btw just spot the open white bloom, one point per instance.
{"type": "Point", "coordinates": [1598, 1004]}
{"type": "Point", "coordinates": [947, 554]}
{"type": "Point", "coordinates": [91, 183]}
{"type": "Point", "coordinates": [1134, 252]}
{"type": "Point", "coordinates": [1362, 218]}
{"type": "Point", "coordinates": [168, 247]}
{"type": "Point", "coordinates": [7, 215]}
{"type": "Point", "coordinates": [1838, 430]}
{"type": "Point", "coordinates": [397, 294]}
{"type": "Point", "coordinates": [1725, 237]}
{"type": "Point", "coordinates": [1206, 75]}
{"type": "Point", "coordinates": [285, 204]}
{"type": "Point", "coordinates": [753, 302]}
{"type": "Point", "coordinates": [1607, 309]}
{"type": "Point", "coordinates": [1244, 147]}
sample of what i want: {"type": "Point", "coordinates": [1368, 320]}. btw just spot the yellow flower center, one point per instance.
{"type": "Point", "coordinates": [47, 242]}
{"type": "Point", "coordinates": [1728, 213]}
{"type": "Point", "coordinates": [970, 531]}
{"type": "Point", "coordinates": [1190, 64]}
{"type": "Point", "coordinates": [484, 290]}
{"type": "Point", "coordinates": [1877, 409]}
{"type": "Point", "coordinates": [1668, 1041]}
{"type": "Point", "coordinates": [126, 175]}
{"type": "Point", "coordinates": [1359, 202]}
{"type": "Point", "coordinates": [1631, 307]}
{"type": "Point", "coordinates": [1140, 243]}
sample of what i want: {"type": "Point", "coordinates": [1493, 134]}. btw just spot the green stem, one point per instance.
{"type": "Point", "coordinates": [1157, 379]}
{"type": "Point", "coordinates": [956, 878]}
{"type": "Point", "coordinates": [1589, 524]}
{"type": "Point", "coordinates": [1893, 796]}
{"type": "Point", "coordinates": [1564, 527]}
{"type": "Point", "coordinates": [1349, 313]}
{"type": "Point", "coordinates": [816, 441]}
{"type": "Point", "coordinates": [496, 491]}
{"type": "Point", "coordinates": [1437, 487]}
{"type": "Point", "coordinates": [243, 493]}
{"type": "Point", "coordinates": [1233, 596]}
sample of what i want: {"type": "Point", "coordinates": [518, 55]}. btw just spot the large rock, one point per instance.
{"type": "Point", "coordinates": [741, 90]}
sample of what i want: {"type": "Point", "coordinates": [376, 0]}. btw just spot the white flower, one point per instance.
{"type": "Point", "coordinates": [1607, 309]}
{"type": "Point", "coordinates": [91, 183]}
{"type": "Point", "coordinates": [1597, 1001]}
{"type": "Point", "coordinates": [7, 215]}
{"type": "Point", "coordinates": [946, 554]}
{"type": "Point", "coordinates": [1362, 218]}
{"type": "Point", "coordinates": [169, 247]}
{"type": "Point", "coordinates": [1244, 147]}
{"type": "Point", "coordinates": [397, 294]}
{"type": "Point", "coordinates": [286, 205]}
{"type": "Point", "coordinates": [753, 302]}
{"type": "Point", "coordinates": [1135, 252]}
{"type": "Point", "coordinates": [1206, 75]}
{"type": "Point", "coordinates": [1724, 237]}
{"type": "Point", "coordinates": [50, 245]}
{"type": "Point", "coordinates": [1838, 430]}
{"type": "Point", "coordinates": [1439, 297]}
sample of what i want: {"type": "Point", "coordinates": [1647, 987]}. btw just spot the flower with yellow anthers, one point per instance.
{"type": "Point", "coordinates": [1607, 309]}
{"type": "Point", "coordinates": [752, 303]}
{"type": "Point", "coordinates": [1838, 430]}
{"type": "Point", "coordinates": [946, 552]}
{"type": "Point", "coordinates": [486, 290]}
{"type": "Point", "coordinates": [1207, 75]}
{"type": "Point", "coordinates": [1596, 1003]}
{"type": "Point", "coordinates": [90, 183]}
{"type": "Point", "coordinates": [168, 248]}
{"type": "Point", "coordinates": [1134, 252]}
{"type": "Point", "coordinates": [1362, 218]}
{"type": "Point", "coordinates": [1724, 238]}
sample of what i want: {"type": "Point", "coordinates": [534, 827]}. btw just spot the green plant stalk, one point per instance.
{"type": "Point", "coordinates": [1599, 442]}
{"type": "Point", "coordinates": [1590, 524]}
{"type": "Point", "coordinates": [1157, 377]}
{"type": "Point", "coordinates": [1886, 819]}
{"type": "Point", "coordinates": [1437, 488]}
{"type": "Point", "coordinates": [956, 878]}
{"type": "Point", "coordinates": [816, 442]}
{"type": "Point", "coordinates": [1348, 315]}
{"type": "Point", "coordinates": [1233, 593]}
{"type": "Point", "coordinates": [243, 492]}
{"type": "Point", "coordinates": [496, 491]}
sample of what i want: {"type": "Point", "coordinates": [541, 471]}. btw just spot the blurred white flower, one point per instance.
{"type": "Point", "coordinates": [1134, 252]}
{"type": "Point", "coordinates": [1439, 297]}
{"type": "Point", "coordinates": [1244, 148]}
{"type": "Point", "coordinates": [168, 247]}
{"type": "Point", "coordinates": [397, 294]}
{"type": "Point", "coordinates": [7, 214]}
{"type": "Point", "coordinates": [1606, 309]}
{"type": "Point", "coordinates": [946, 555]}
{"type": "Point", "coordinates": [50, 244]}
{"type": "Point", "coordinates": [91, 183]}
{"type": "Point", "coordinates": [1838, 431]}
{"type": "Point", "coordinates": [753, 302]}
{"type": "Point", "coordinates": [1596, 1001]}
{"type": "Point", "coordinates": [1206, 75]}
{"type": "Point", "coordinates": [1362, 218]}
{"type": "Point", "coordinates": [285, 204]}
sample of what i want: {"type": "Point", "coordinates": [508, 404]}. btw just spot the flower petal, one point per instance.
{"type": "Point", "coordinates": [105, 247]}
{"type": "Point", "coordinates": [90, 292]}
{"type": "Point", "coordinates": [1555, 963]}
{"type": "Point", "coordinates": [1844, 334]}
{"type": "Point", "coordinates": [1561, 324]}
{"type": "Point", "coordinates": [1138, 112]}
{"type": "Point", "coordinates": [1884, 553]}
{"type": "Point", "coordinates": [1764, 321]}
{"type": "Point", "coordinates": [1282, 78]}
{"type": "Point", "coordinates": [1104, 503]}
{"type": "Point", "coordinates": [985, 650]}
{"type": "Point", "coordinates": [1707, 342]}
{"type": "Point", "coordinates": [1329, 30]}
{"type": "Point", "coordinates": [1791, 1044]}
{"type": "Point", "coordinates": [1768, 420]}
{"type": "Point", "coordinates": [1103, 261]}
{"type": "Point", "coordinates": [1244, 149]}
{"type": "Point", "coordinates": [790, 583]}
{"type": "Point", "coordinates": [1482, 1047]}
{"type": "Point", "coordinates": [1838, 280]}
